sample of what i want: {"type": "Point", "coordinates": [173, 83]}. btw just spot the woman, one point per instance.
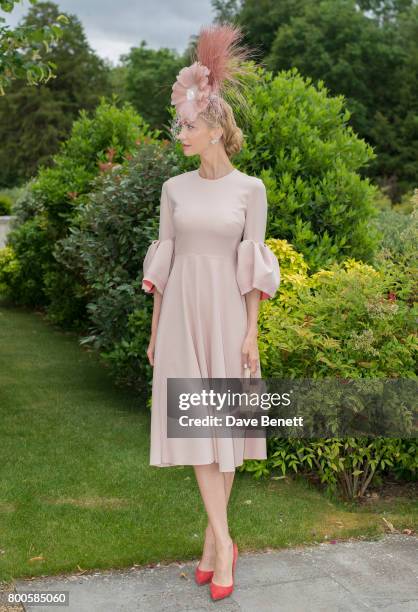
{"type": "Point", "coordinates": [208, 270]}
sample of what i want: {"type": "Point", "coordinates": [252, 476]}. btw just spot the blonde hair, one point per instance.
{"type": "Point", "coordinates": [232, 136]}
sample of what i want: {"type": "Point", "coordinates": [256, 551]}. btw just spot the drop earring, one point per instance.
{"type": "Point", "coordinates": [214, 140]}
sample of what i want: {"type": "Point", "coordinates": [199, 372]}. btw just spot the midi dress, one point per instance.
{"type": "Point", "coordinates": [210, 252]}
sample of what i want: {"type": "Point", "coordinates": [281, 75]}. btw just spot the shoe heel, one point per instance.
{"type": "Point", "coordinates": [218, 591]}
{"type": "Point", "coordinates": [235, 559]}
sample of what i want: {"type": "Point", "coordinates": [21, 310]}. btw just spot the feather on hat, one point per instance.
{"type": "Point", "coordinates": [219, 71]}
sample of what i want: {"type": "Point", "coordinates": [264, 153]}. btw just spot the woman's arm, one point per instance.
{"type": "Point", "coordinates": [157, 265]}
{"type": "Point", "coordinates": [258, 272]}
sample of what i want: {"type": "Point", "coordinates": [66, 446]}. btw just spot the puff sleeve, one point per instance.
{"type": "Point", "coordinates": [257, 266]}
{"type": "Point", "coordinates": [158, 259]}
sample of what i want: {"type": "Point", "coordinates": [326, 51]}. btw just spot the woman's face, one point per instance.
{"type": "Point", "coordinates": [196, 135]}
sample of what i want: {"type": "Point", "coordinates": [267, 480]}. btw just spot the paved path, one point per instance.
{"type": "Point", "coordinates": [345, 577]}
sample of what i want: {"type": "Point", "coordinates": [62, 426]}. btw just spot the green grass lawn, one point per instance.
{"type": "Point", "coordinates": [77, 491]}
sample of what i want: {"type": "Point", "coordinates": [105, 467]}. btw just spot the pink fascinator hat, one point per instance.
{"type": "Point", "coordinates": [220, 71]}
{"type": "Point", "coordinates": [191, 91]}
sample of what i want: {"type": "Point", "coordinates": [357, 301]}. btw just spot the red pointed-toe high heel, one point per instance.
{"type": "Point", "coordinates": [202, 576]}
{"type": "Point", "coordinates": [218, 591]}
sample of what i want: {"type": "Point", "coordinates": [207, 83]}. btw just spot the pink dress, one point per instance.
{"type": "Point", "coordinates": [209, 254]}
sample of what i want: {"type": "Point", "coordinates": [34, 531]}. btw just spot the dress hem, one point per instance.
{"type": "Point", "coordinates": [161, 465]}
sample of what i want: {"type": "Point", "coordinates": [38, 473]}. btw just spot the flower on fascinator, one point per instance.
{"type": "Point", "coordinates": [191, 91]}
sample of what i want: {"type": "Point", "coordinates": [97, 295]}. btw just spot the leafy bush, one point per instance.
{"type": "Point", "coordinates": [343, 322]}
{"type": "Point", "coordinates": [406, 465]}
{"type": "Point", "coordinates": [390, 225]}
{"type": "Point", "coordinates": [397, 257]}
{"type": "Point", "coordinates": [5, 205]}
{"type": "Point", "coordinates": [26, 206]}
{"type": "Point", "coordinates": [27, 254]}
{"type": "Point", "coordinates": [11, 194]}
{"type": "Point", "coordinates": [299, 143]}
{"type": "Point", "coordinates": [46, 209]}
{"type": "Point", "coordinates": [105, 251]}
{"type": "Point", "coordinates": [9, 271]}
{"type": "Point", "coordinates": [407, 203]}
{"type": "Point", "coordinates": [381, 200]}
{"type": "Point", "coordinates": [349, 464]}
{"type": "Point", "coordinates": [95, 144]}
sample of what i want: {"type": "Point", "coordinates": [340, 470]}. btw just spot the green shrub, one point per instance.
{"type": "Point", "coordinates": [105, 250]}
{"type": "Point", "coordinates": [10, 195]}
{"type": "Point", "coordinates": [390, 225]}
{"type": "Point", "coordinates": [343, 322]}
{"type": "Point", "coordinates": [299, 143]}
{"type": "Point", "coordinates": [407, 203]}
{"type": "Point", "coordinates": [381, 200]}
{"type": "Point", "coordinates": [28, 240]}
{"type": "Point", "coordinates": [9, 271]}
{"type": "Point", "coordinates": [397, 257]}
{"type": "Point", "coordinates": [26, 206]}
{"type": "Point", "coordinates": [29, 247]}
{"type": "Point", "coordinates": [97, 143]}
{"type": "Point", "coordinates": [349, 464]}
{"type": "Point", "coordinates": [406, 465]}
{"type": "Point", "coordinates": [5, 205]}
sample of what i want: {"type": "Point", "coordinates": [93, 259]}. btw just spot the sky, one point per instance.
{"type": "Point", "coordinates": [112, 28]}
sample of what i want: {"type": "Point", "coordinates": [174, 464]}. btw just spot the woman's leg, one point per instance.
{"type": "Point", "coordinates": [215, 488]}
{"type": "Point", "coordinates": [207, 561]}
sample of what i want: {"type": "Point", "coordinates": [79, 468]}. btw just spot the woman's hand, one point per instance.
{"type": "Point", "coordinates": [249, 353]}
{"type": "Point", "coordinates": [151, 349]}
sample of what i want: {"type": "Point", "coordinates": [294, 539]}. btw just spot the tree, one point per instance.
{"type": "Point", "coordinates": [395, 130]}
{"type": "Point", "coordinates": [21, 50]}
{"type": "Point", "coordinates": [35, 119]}
{"type": "Point", "coordinates": [150, 75]}
{"type": "Point", "coordinates": [226, 10]}
{"type": "Point", "coordinates": [385, 10]}
{"type": "Point", "coordinates": [334, 42]}
{"type": "Point", "coordinates": [261, 19]}
{"type": "Point", "coordinates": [366, 51]}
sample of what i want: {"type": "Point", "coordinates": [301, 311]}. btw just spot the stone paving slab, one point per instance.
{"type": "Point", "coordinates": [351, 576]}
